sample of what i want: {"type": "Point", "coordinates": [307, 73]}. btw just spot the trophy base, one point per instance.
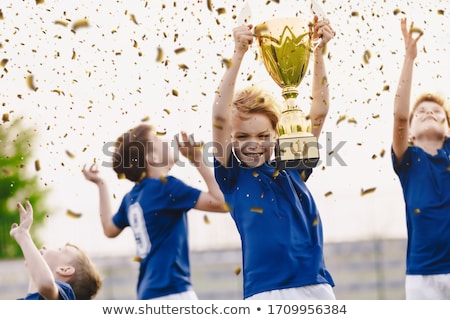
{"type": "Point", "coordinates": [297, 151]}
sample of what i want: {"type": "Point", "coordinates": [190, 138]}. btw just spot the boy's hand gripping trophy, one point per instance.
{"type": "Point", "coordinates": [285, 47]}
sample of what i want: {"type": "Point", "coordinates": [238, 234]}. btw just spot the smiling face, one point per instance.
{"type": "Point", "coordinates": [253, 138]}
{"type": "Point", "coordinates": [430, 120]}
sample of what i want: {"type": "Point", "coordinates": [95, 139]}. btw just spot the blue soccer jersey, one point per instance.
{"type": "Point", "coordinates": [156, 210]}
{"type": "Point", "coordinates": [279, 226]}
{"type": "Point", "coordinates": [65, 293]}
{"type": "Point", "coordinates": [425, 180]}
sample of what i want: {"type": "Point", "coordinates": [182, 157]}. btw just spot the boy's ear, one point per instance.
{"type": "Point", "coordinates": [65, 271]}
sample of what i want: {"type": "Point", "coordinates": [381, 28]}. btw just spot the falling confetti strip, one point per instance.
{"type": "Point", "coordinates": [365, 192]}
{"type": "Point", "coordinates": [237, 271]}
{"type": "Point", "coordinates": [206, 219]}
{"type": "Point", "coordinates": [30, 83]}
{"type": "Point", "coordinates": [70, 154]}
{"type": "Point", "coordinates": [82, 23]}
{"type": "Point", "coordinates": [73, 214]}
{"type": "Point", "coordinates": [5, 117]}
{"type": "Point", "coordinates": [37, 165]}
{"type": "Point", "coordinates": [256, 209]}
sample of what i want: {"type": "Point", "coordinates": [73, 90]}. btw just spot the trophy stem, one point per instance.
{"type": "Point", "coordinates": [289, 93]}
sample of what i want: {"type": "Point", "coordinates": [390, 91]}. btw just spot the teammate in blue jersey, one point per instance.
{"type": "Point", "coordinates": [421, 159]}
{"type": "Point", "coordinates": [156, 209]}
{"type": "Point", "coordinates": [275, 213]}
{"type": "Point", "coordinates": [66, 273]}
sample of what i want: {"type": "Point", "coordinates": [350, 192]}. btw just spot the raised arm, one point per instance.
{"type": "Point", "coordinates": [109, 228]}
{"type": "Point", "coordinates": [320, 93]}
{"type": "Point", "coordinates": [212, 199]}
{"type": "Point", "coordinates": [403, 94]}
{"type": "Point", "coordinates": [42, 279]}
{"type": "Point", "coordinates": [221, 112]}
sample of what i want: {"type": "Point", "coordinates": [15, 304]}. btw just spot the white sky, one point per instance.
{"type": "Point", "coordinates": [109, 80]}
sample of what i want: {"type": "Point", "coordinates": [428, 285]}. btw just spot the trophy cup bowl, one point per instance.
{"type": "Point", "coordinates": [285, 48]}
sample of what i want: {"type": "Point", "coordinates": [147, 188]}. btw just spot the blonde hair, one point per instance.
{"type": "Point", "coordinates": [86, 280]}
{"type": "Point", "coordinates": [256, 100]}
{"type": "Point", "coordinates": [436, 98]}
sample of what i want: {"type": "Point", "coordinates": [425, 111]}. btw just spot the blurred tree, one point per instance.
{"type": "Point", "coordinates": [18, 182]}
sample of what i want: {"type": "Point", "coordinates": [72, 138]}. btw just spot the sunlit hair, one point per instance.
{"type": "Point", "coordinates": [430, 98]}
{"type": "Point", "coordinates": [129, 158]}
{"type": "Point", "coordinates": [255, 100]}
{"type": "Point", "coordinates": [86, 280]}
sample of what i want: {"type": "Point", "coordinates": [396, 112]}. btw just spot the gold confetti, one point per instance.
{"type": "Point", "coordinates": [416, 30]}
{"type": "Point", "coordinates": [255, 174]}
{"type": "Point", "coordinates": [341, 118]}
{"type": "Point", "coordinates": [227, 62]}
{"type": "Point", "coordinates": [30, 83]}
{"type": "Point", "coordinates": [206, 219]}
{"type": "Point", "coordinates": [161, 133]}
{"type": "Point", "coordinates": [166, 111]}
{"type": "Point", "coordinates": [180, 50]}
{"type": "Point", "coordinates": [160, 55]}
{"type": "Point", "coordinates": [194, 107]}
{"type": "Point", "coordinates": [315, 221]}
{"type": "Point", "coordinates": [40, 1]}
{"type": "Point", "coordinates": [182, 66]}
{"type": "Point", "coordinates": [329, 193]}
{"type": "Point", "coordinates": [396, 11]}
{"type": "Point", "coordinates": [37, 165]}
{"type": "Point", "coordinates": [74, 55]}
{"type": "Point", "coordinates": [5, 117]}
{"type": "Point", "coordinates": [133, 18]}
{"type": "Point", "coordinates": [382, 153]}
{"type": "Point", "coordinates": [1, 14]}
{"type": "Point", "coordinates": [256, 209]}
{"type": "Point", "coordinates": [70, 154]}
{"type": "Point", "coordinates": [217, 125]}
{"type": "Point", "coordinates": [440, 12]}
{"type": "Point", "coordinates": [367, 191]}
{"type": "Point", "coordinates": [386, 88]}
{"type": "Point", "coordinates": [61, 23]}
{"type": "Point", "coordinates": [137, 259]}
{"type": "Point", "coordinates": [226, 207]}
{"type": "Point", "coordinates": [163, 179]}
{"type": "Point", "coordinates": [237, 271]}
{"type": "Point", "coordinates": [209, 5]}
{"type": "Point", "coordinates": [352, 120]}
{"type": "Point", "coordinates": [355, 14]}
{"type": "Point", "coordinates": [73, 214]}
{"type": "Point", "coordinates": [121, 176]}
{"type": "Point", "coordinates": [366, 56]}
{"type": "Point", "coordinates": [175, 92]}
{"type": "Point", "coordinates": [82, 23]}
{"type": "Point", "coordinates": [3, 62]}
{"type": "Point", "coordinates": [146, 118]}
{"type": "Point", "coordinates": [417, 211]}
{"type": "Point", "coordinates": [275, 173]}
{"type": "Point", "coordinates": [59, 92]}
{"type": "Point", "coordinates": [303, 175]}
{"type": "Point", "coordinates": [221, 11]}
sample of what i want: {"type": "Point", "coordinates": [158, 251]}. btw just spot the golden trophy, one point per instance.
{"type": "Point", "coordinates": [285, 47]}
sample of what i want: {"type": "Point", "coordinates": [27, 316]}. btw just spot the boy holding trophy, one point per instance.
{"type": "Point", "coordinates": [275, 213]}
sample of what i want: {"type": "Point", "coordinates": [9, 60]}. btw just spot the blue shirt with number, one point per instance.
{"type": "Point", "coordinates": [155, 209]}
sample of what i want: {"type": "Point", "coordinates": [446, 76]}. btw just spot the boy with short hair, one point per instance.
{"type": "Point", "coordinates": [63, 274]}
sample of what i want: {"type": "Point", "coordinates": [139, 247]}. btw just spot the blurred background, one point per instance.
{"type": "Point", "coordinates": [74, 76]}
